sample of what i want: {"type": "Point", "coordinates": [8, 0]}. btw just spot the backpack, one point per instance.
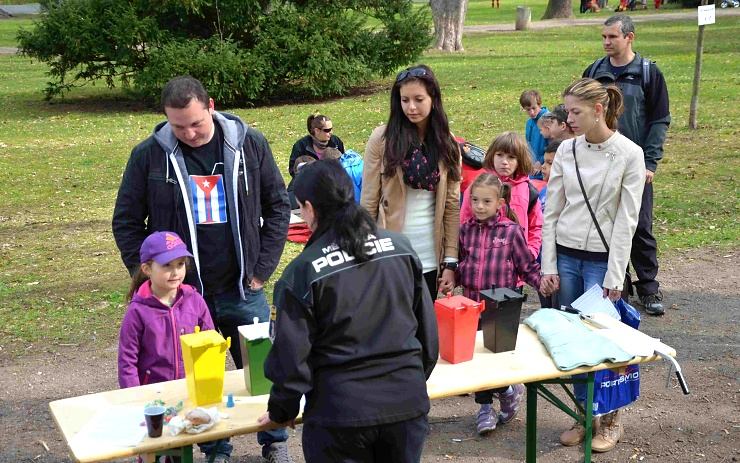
{"type": "Point", "coordinates": [534, 195]}
{"type": "Point", "coordinates": [473, 156]}
{"type": "Point", "coordinates": [645, 70]}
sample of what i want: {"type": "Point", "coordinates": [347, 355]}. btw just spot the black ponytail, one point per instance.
{"type": "Point", "coordinates": [327, 186]}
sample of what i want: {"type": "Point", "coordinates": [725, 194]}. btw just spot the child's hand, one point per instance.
{"type": "Point", "coordinates": [549, 284]}
{"type": "Point", "coordinates": [446, 281]}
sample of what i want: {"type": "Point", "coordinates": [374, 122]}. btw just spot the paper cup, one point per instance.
{"type": "Point", "coordinates": [154, 420]}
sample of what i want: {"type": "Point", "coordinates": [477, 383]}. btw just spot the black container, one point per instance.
{"type": "Point", "coordinates": [500, 319]}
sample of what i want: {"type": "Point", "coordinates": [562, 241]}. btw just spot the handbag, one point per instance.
{"type": "Point", "coordinates": [472, 155]}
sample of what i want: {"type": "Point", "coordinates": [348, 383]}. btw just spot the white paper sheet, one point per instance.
{"type": "Point", "coordinates": [117, 425]}
{"type": "Point", "coordinates": [593, 301]}
{"type": "Point", "coordinates": [632, 341]}
{"type": "Point", "coordinates": [255, 331]}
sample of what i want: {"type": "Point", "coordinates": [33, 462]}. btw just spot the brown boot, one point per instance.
{"type": "Point", "coordinates": [577, 433]}
{"type": "Point", "coordinates": [609, 433]}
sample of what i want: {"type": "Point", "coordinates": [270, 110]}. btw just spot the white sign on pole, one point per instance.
{"type": "Point", "coordinates": [706, 14]}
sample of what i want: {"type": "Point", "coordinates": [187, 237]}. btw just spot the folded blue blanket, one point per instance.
{"type": "Point", "coordinates": [572, 344]}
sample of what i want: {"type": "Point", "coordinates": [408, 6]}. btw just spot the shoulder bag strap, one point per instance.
{"type": "Point", "coordinates": [588, 204]}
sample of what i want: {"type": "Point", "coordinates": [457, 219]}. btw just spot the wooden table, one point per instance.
{"type": "Point", "coordinates": [530, 363]}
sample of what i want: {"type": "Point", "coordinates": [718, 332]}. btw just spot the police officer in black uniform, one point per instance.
{"type": "Point", "coordinates": [354, 332]}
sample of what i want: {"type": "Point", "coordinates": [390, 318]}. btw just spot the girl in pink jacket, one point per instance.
{"type": "Point", "coordinates": [509, 159]}
{"type": "Point", "coordinates": [161, 309]}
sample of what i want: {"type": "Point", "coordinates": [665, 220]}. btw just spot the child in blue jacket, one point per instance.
{"type": "Point", "coordinates": [531, 103]}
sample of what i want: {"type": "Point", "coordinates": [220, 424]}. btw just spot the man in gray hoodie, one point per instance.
{"type": "Point", "coordinates": [212, 179]}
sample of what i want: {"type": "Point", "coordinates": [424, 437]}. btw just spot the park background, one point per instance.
{"type": "Point", "coordinates": [62, 282]}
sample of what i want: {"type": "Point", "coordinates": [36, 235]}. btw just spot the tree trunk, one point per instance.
{"type": "Point", "coordinates": [449, 18]}
{"type": "Point", "coordinates": [558, 9]}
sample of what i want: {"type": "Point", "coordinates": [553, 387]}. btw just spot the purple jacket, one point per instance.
{"type": "Point", "coordinates": [149, 344]}
{"type": "Point", "coordinates": [494, 252]}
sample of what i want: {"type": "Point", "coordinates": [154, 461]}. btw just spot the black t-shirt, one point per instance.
{"type": "Point", "coordinates": [219, 268]}
{"type": "Point", "coordinates": [616, 70]}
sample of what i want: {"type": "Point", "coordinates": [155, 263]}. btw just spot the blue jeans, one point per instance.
{"type": "Point", "coordinates": [576, 277]}
{"type": "Point", "coordinates": [229, 311]}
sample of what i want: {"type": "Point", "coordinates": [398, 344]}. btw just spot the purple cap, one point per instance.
{"type": "Point", "coordinates": [163, 247]}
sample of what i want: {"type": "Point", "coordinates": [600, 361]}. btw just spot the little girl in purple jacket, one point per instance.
{"type": "Point", "coordinates": [161, 309]}
{"type": "Point", "coordinates": [493, 251]}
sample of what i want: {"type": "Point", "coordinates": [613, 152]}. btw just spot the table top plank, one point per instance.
{"type": "Point", "coordinates": [528, 363]}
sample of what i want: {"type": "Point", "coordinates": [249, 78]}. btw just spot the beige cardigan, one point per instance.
{"type": "Point", "coordinates": [385, 198]}
{"type": "Point", "coordinates": [613, 175]}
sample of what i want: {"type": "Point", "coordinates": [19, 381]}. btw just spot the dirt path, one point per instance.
{"type": "Point", "coordinates": [588, 21]}
{"type": "Point", "coordinates": [700, 286]}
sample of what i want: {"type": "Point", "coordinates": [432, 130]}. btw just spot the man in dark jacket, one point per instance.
{"type": "Point", "coordinates": [645, 121]}
{"type": "Point", "coordinates": [211, 179]}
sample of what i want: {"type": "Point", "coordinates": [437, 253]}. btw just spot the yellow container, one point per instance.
{"type": "Point", "coordinates": [204, 356]}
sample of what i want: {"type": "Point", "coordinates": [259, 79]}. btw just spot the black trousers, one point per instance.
{"type": "Point", "coordinates": [549, 302]}
{"type": "Point", "coordinates": [431, 280]}
{"type": "Point", "coordinates": [644, 254]}
{"type": "Point", "coordinates": [400, 442]}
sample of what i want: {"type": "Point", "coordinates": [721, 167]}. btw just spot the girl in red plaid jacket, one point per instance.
{"type": "Point", "coordinates": [493, 251]}
{"type": "Point", "coordinates": [492, 248]}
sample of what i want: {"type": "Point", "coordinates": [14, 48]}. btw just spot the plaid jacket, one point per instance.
{"type": "Point", "coordinates": [494, 252]}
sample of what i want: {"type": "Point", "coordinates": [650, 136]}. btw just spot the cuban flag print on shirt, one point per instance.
{"type": "Point", "coordinates": [209, 198]}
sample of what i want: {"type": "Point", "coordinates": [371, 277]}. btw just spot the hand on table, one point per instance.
{"type": "Point", "coordinates": [266, 423]}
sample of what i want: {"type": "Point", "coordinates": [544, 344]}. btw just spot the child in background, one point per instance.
{"type": "Point", "coordinates": [508, 158]}
{"type": "Point", "coordinates": [531, 103]}
{"type": "Point", "coordinates": [161, 308]}
{"type": "Point", "coordinates": [300, 162]}
{"type": "Point", "coordinates": [493, 251]}
{"type": "Point", "coordinates": [352, 163]}
{"type": "Point", "coordinates": [550, 150]}
{"type": "Point", "coordinates": [556, 121]}
{"type": "Point", "coordinates": [303, 161]}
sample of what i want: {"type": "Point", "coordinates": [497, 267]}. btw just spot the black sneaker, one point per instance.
{"type": "Point", "coordinates": [652, 303]}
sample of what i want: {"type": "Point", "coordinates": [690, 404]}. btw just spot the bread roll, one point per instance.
{"type": "Point", "coordinates": [198, 416]}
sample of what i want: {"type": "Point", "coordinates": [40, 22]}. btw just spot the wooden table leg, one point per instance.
{"type": "Point", "coordinates": [531, 438]}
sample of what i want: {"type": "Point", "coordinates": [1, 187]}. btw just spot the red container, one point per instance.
{"type": "Point", "coordinates": [457, 322]}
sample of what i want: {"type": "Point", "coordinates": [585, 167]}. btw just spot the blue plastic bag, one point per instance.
{"type": "Point", "coordinates": [617, 389]}
{"type": "Point", "coordinates": [630, 315]}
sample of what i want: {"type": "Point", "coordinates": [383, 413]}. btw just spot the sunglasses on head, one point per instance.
{"type": "Point", "coordinates": [414, 72]}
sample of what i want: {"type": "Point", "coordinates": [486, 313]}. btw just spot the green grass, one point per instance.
{"type": "Point", "coordinates": [9, 29]}
{"type": "Point", "coordinates": [61, 279]}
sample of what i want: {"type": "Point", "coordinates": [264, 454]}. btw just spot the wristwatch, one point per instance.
{"type": "Point", "coordinates": [449, 265]}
